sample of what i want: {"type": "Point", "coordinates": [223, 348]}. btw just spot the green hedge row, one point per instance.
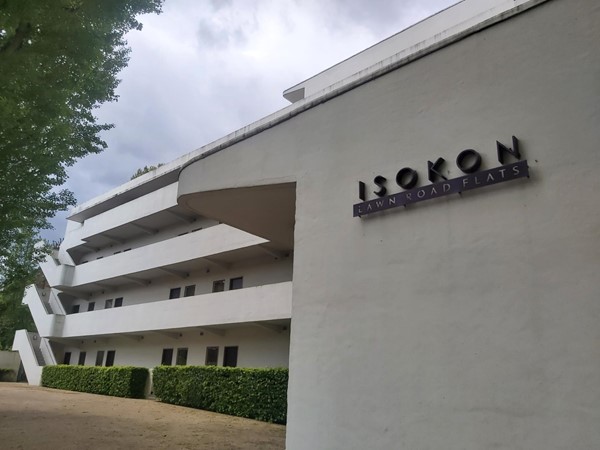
{"type": "Point", "coordinates": [115, 381]}
{"type": "Point", "coordinates": [259, 394]}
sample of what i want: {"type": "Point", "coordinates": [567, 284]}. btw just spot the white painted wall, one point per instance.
{"type": "Point", "coordinates": [255, 272]}
{"type": "Point", "coordinates": [146, 239]}
{"type": "Point", "coordinates": [467, 322]}
{"type": "Point", "coordinates": [257, 347]}
{"type": "Point", "coordinates": [24, 346]}
{"type": "Point", "coordinates": [214, 240]}
{"type": "Point", "coordinates": [268, 302]}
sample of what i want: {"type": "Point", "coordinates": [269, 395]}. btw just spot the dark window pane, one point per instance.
{"type": "Point", "coordinates": [99, 357]}
{"type": "Point", "coordinates": [218, 286]}
{"type": "Point", "coordinates": [91, 306]}
{"type": "Point", "coordinates": [167, 357]}
{"type": "Point", "coordinates": [67, 358]}
{"type": "Point", "coordinates": [175, 293]}
{"type": "Point", "coordinates": [230, 357]}
{"type": "Point", "coordinates": [81, 361]}
{"type": "Point", "coordinates": [181, 356]}
{"type": "Point", "coordinates": [212, 356]}
{"type": "Point", "coordinates": [189, 291]}
{"type": "Point", "coordinates": [75, 309]}
{"type": "Point", "coordinates": [118, 302]}
{"type": "Point", "coordinates": [110, 358]}
{"type": "Point", "coordinates": [236, 283]}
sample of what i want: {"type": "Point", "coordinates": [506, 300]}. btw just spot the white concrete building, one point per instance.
{"type": "Point", "coordinates": [435, 198]}
{"type": "Point", "coordinates": [141, 281]}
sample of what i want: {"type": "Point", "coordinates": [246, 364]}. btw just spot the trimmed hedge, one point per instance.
{"type": "Point", "coordinates": [259, 394]}
{"type": "Point", "coordinates": [116, 381]}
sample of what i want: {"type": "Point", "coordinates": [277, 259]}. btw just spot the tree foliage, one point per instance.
{"type": "Point", "coordinates": [59, 61]}
{"type": "Point", "coordinates": [20, 269]}
{"type": "Point", "coordinates": [142, 170]}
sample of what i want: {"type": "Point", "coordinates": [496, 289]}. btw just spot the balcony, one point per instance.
{"type": "Point", "coordinates": [136, 209]}
{"type": "Point", "coordinates": [140, 265]}
{"type": "Point", "coordinates": [254, 304]}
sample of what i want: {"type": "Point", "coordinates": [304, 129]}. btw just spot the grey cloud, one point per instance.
{"type": "Point", "coordinates": [380, 14]}
{"type": "Point", "coordinates": [212, 37]}
{"type": "Point", "coordinates": [220, 4]}
{"type": "Point", "coordinates": [175, 99]}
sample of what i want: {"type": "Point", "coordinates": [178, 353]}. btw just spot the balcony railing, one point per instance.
{"type": "Point", "coordinates": [253, 304]}
{"type": "Point", "coordinates": [204, 243]}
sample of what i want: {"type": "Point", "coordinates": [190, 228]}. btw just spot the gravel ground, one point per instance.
{"type": "Point", "coordinates": [40, 418]}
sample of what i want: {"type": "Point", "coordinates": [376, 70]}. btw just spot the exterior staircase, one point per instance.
{"type": "Point", "coordinates": [35, 353]}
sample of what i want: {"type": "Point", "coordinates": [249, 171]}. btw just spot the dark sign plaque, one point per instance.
{"type": "Point", "coordinates": [475, 180]}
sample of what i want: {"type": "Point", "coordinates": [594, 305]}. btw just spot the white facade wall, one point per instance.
{"type": "Point", "coordinates": [468, 322]}
{"type": "Point", "coordinates": [257, 347]}
{"type": "Point", "coordinates": [268, 302]}
{"type": "Point", "coordinates": [465, 322]}
{"type": "Point", "coordinates": [255, 273]}
{"type": "Point", "coordinates": [140, 266]}
{"type": "Point", "coordinates": [142, 240]}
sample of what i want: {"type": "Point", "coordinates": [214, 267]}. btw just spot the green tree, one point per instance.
{"type": "Point", "coordinates": [21, 269]}
{"type": "Point", "coordinates": [58, 62]}
{"type": "Point", "coordinates": [142, 170]}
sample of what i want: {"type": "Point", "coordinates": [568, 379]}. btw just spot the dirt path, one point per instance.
{"type": "Point", "coordinates": [36, 418]}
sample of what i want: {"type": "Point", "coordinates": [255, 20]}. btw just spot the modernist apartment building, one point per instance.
{"type": "Point", "coordinates": [427, 213]}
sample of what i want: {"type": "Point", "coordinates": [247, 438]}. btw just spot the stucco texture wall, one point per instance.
{"type": "Point", "coordinates": [469, 322]}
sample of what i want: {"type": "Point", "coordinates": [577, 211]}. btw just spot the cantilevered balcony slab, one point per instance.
{"type": "Point", "coordinates": [171, 252]}
{"type": "Point", "coordinates": [248, 305]}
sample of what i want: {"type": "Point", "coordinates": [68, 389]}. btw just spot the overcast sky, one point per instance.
{"type": "Point", "coordinates": [203, 69]}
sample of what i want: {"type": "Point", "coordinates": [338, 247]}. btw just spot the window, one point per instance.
{"type": "Point", "coordinates": [230, 357]}
{"type": "Point", "coordinates": [75, 309]}
{"type": "Point", "coordinates": [212, 356]}
{"type": "Point", "coordinates": [99, 357]}
{"type": "Point", "coordinates": [108, 303]}
{"type": "Point", "coordinates": [110, 358]}
{"type": "Point", "coordinates": [175, 293]}
{"type": "Point", "coordinates": [100, 257]}
{"type": "Point", "coordinates": [67, 358]}
{"type": "Point", "coordinates": [126, 250]}
{"type": "Point", "coordinates": [219, 286]}
{"type": "Point", "coordinates": [189, 291]}
{"type": "Point", "coordinates": [116, 253]}
{"type": "Point", "coordinates": [118, 302]}
{"type": "Point", "coordinates": [91, 306]}
{"type": "Point", "coordinates": [167, 357]}
{"type": "Point", "coordinates": [236, 283]}
{"type": "Point", "coordinates": [181, 357]}
{"type": "Point", "coordinates": [81, 361]}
